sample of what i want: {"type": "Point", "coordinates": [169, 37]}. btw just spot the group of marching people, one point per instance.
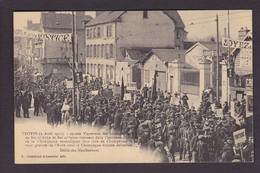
{"type": "Point", "coordinates": [165, 126]}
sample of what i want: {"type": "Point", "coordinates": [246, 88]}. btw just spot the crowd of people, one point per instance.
{"type": "Point", "coordinates": [165, 126]}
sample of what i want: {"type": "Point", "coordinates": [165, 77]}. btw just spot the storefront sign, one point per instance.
{"type": "Point", "coordinates": [227, 42]}
{"type": "Point", "coordinates": [239, 136]}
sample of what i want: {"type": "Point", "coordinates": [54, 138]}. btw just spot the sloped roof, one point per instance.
{"type": "Point", "coordinates": [138, 54]}
{"type": "Point", "coordinates": [105, 17]}
{"type": "Point", "coordinates": [62, 21]}
{"type": "Point", "coordinates": [188, 44]}
{"type": "Point", "coordinates": [165, 54]}
{"type": "Point", "coordinates": [110, 16]}
{"type": "Point", "coordinates": [209, 45]}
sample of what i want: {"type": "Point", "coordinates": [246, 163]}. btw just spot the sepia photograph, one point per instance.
{"type": "Point", "coordinates": [154, 86]}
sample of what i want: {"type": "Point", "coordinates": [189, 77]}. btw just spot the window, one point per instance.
{"type": "Point", "coordinates": [87, 51]}
{"type": "Point", "coordinates": [145, 14]}
{"type": "Point", "coordinates": [90, 33]}
{"type": "Point", "coordinates": [94, 33]}
{"type": "Point", "coordinates": [88, 68]}
{"type": "Point", "coordinates": [109, 30]}
{"type": "Point", "coordinates": [106, 51]}
{"type": "Point", "coordinates": [90, 51]}
{"type": "Point", "coordinates": [87, 33]}
{"type": "Point", "coordinates": [111, 72]}
{"type": "Point", "coordinates": [147, 76]}
{"type": "Point", "coordinates": [98, 32]}
{"type": "Point", "coordinates": [111, 50]}
{"type": "Point", "coordinates": [98, 49]}
{"type": "Point", "coordinates": [94, 51]}
{"type": "Point", "coordinates": [102, 51]}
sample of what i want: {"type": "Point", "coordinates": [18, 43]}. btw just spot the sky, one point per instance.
{"type": "Point", "coordinates": [198, 23]}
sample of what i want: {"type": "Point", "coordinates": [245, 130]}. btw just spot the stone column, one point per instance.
{"type": "Point", "coordinates": [204, 74]}
{"type": "Point", "coordinates": [174, 70]}
{"type": "Point", "coordinates": [224, 84]}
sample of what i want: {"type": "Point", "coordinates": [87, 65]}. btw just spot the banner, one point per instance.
{"type": "Point", "coordinates": [127, 96]}
{"type": "Point", "coordinates": [69, 84]}
{"type": "Point", "coordinates": [94, 93]}
{"type": "Point", "coordinates": [219, 113]}
{"type": "Point", "coordinates": [227, 42]}
{"type": "Point", "coordinates": [66, 37]}
{"type": "Point", "coordinates": [239, 136]}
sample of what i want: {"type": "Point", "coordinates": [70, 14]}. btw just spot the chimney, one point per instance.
{"type": "Point", "coordinates": [242, 33]}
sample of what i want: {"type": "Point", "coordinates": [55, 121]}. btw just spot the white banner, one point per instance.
{"type": "Point", "coordinates": [66, 37]}
{"type": "Point", "coordinates": [239, 136]}
{"type": "Point", "coordinates": [228, 42]}
{"type": "Point", "coordinates": [69, 84]}
{"type": "Point", "coordinates": [127, 96]}
{"type": "Point", "coordinates": [94, 93]}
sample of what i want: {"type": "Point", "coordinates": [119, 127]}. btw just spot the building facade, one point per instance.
{"type": "Point", "coordinates": [110, 32]}
{"type": "Point", "coordinates": [56, 56]}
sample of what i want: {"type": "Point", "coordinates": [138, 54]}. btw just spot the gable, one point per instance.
{"type": "Point", "coordinates": [155, 63]}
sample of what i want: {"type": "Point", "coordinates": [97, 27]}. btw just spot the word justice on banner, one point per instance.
{"type": "Point", "coordinates": [227, 42]}
{"type": "Point", "coordinates": [66, 37]}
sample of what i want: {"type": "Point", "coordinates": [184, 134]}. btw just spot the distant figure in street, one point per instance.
{"type": "Point", "coordinates": [185, 99]}
{"type": "Point", "coordinates": [145, 91]}
{"type": "Point", "coordinates": [175, 100]}
{"type": "Point", "coordinates": [225, 108]}
{"type": "Point", "coordinates": [26, 104]}
{"type": "Point", "coordinates": [18, 103]}
{"type": "Point", "coordinates": [36, 104]}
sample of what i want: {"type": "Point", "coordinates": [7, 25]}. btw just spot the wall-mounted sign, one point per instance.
{"type": "Point", "coordinates": [228, 42]}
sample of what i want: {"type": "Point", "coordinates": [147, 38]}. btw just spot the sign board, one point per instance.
{"type": "Point", "coordinates": [228, 42]}
{"type": "Point", "coordinates": [239, 136]}
{"type": "Point", "coordinates": [117, 91]}
{"type": "Point", "coordinates": [127, 96]}
{"type": "Point", "coordinates": [131, 88]}
{"type": "Point", "coordinates": [69, 84]}
{"type": "Point", "coordinates": [219, 113]}
{"type": "Point", "coordinates": [94, 93]}
{"type": "Point", "coordinates": [64, 37]}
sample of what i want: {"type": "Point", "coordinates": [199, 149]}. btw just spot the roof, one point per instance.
{"type": "Point", "coordinates": [105, 17]}
{"type": "Point", "coordinates": [188, 44]}
{"type": "Point", "coordinates": [165, 54]}
{"type": "Point", "coordinates": [62, 20]}
{"type": "Point", "coordinates": [138, 54]}
{"type": "Point", "coordinates": [210, 45]}
{"type": "Point", "coordinates": [111, 16]}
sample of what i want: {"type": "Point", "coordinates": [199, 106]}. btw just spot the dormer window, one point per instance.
{"type": "Point", "coordinates": [145, 14]}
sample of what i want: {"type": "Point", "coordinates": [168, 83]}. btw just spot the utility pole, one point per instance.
{"type": "Point", "coordinates": [217, 76]}
{"type": "Point", "coordinates": [228, 65]}
{"type": "Point", "coordinates": [73, 62]}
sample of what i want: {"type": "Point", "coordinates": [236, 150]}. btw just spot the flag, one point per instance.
{"type": "Point", "coordinates": [154, 88]}
{"type": "Point", "coordinates": [122, 89]}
